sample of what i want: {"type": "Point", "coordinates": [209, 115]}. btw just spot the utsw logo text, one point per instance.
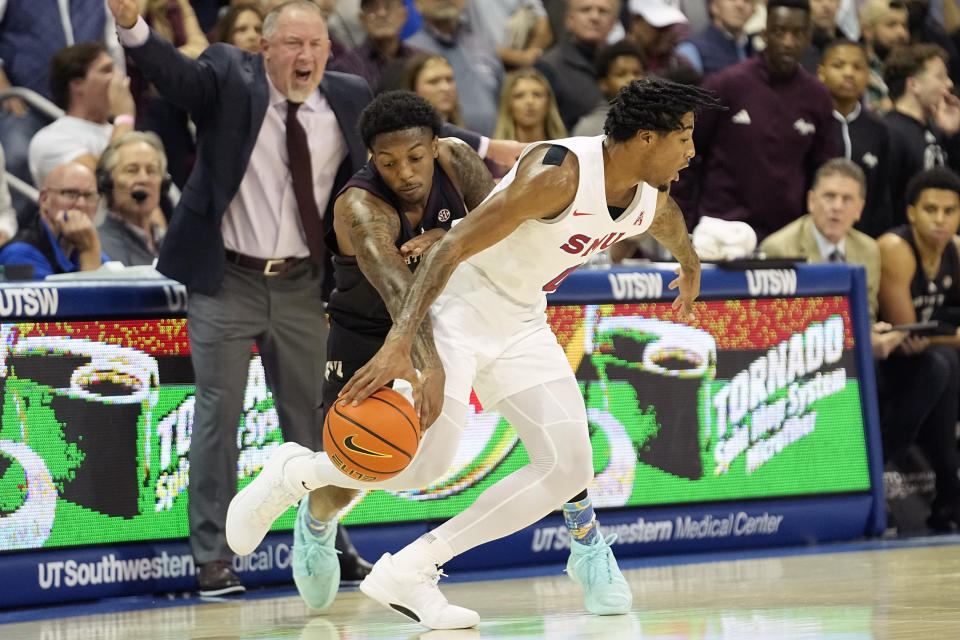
{"type": "Point", "coordinates": [771, 282]}
{"type": "Point", "coordinates": [585, 245]}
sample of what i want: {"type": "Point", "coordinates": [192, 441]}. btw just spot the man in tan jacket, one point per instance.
{"type": "Point", "coordinates": [826, 233]}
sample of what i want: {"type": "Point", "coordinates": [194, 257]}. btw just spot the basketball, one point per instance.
{"type": "Point", "coordinates": [375, 440]}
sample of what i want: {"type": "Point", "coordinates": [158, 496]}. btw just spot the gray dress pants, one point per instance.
{"type": "Point", "coordinates": [284, 316]}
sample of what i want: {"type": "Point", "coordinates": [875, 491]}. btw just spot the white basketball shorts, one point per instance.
{"type": "Point", "coordinates": [492, 343]}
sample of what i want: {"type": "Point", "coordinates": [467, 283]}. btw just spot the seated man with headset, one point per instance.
{"type": "Point", "coordinates": [131, 177]}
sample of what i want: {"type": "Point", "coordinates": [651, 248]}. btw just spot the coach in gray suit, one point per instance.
{"type": "Point", "coordinates": [276, 139]}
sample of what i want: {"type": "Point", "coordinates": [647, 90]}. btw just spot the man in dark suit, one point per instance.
{"type": "Point", "coordinates": [276, 137]}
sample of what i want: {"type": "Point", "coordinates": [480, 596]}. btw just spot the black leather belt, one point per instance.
{"type": "Point", "coordinates": [269, 267]}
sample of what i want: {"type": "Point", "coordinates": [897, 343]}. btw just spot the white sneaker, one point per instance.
{"type": "Point", "coordinates": [415, 595]}
{"type": "Point", "coordinates": [253, 510]}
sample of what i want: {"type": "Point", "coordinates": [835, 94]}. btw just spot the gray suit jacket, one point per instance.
{"type": "Point", "coordinates": [797, 239]}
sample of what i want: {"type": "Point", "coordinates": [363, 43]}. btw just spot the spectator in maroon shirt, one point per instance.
{"type": "Point", "coordinates": [383, 21]}
{"type": "Point", "coordinates": [757, 159]}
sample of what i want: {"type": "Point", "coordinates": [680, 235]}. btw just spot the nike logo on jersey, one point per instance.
{"type": "Point", "coordinates": [353, 446]}
{"type": "Point", "coordinates": [582, 213]}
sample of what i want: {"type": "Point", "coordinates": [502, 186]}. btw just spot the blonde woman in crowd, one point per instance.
{"type": "Point", "coordinates": [528, 109]}
{"type": "Point", "coordinates": [431, 76]}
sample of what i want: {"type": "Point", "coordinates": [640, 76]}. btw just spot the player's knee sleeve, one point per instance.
{"type": "Point", "coordinates": [574, 460]}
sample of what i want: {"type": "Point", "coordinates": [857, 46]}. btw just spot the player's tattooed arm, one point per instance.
{"type": "Point", "coordinates": [368, 228]}
{"type": "Point", "coordinates": [670, 230]}
{"type": "Point", "coordinates": [467, 170]}
{"type": "Point", "coordinates": [538, 191]}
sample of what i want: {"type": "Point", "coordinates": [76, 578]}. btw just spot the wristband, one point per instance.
{"type": "Point", "coordinates": [123, 118]}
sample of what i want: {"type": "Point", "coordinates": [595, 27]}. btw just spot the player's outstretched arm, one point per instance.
{"type": "Point", "coordinates": [368, 228]}
{"type": "Point", "coordinates": [187, 82]}
{"type": "Point", "coordinates": [538, 191]}
{"type": "Point", "coordinates": [669, 229]}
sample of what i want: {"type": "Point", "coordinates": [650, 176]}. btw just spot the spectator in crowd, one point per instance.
{"type": "Point", "coordinates": [823, 16]}
{"type": "Point", "coordinates": [739, 174]}
{"type": "Point", "coordinates": [920, 280]}
{"type": "Point", "coordinates": [62, 238]}
{"type": "Point", "coordinates": [519, 29]}
{"type": "Point", "coordinates": [826, 234]}
{"type": "Point", "coordinates": [927, 25]}
{"type": "Point", "coordinates": [241, 26]}
{"type": "Point", "coordinates": [756, 24]}
{"type": "Point", "coordinates": [8, 217]}
{"type": "Point", "coordinates": [568, 64]}
{"type": "Point", "coordinates": [246, 240]}
{"type": "Point", "coordinates": [617, 66]}
{"type": "Point", "coordinates": [30, 34]}
{"type": "Point", "coordinates": [860, 135]}
{"type": "Point", "coordinates": [344, 24]}
{"type": "Point", "coordinates": [88, 86]}
{"type": "Point", "coordinates": [921, 263]}
{"type": "Point", "coordinates": [129, 176]}
{"type": "Point", "coordinates": [883, 24]}
{"type": "Point", "coordinates": [925, 117]}
{"type": "Point", "coordinates": [432, 77]}
{"type": "Point", "coordinates": [476, 66]}
{"type": "Point", "coordinates": [658, 27]}
{"type": "Point", "coordinates": [723, 42]}
{"type": "Point", "coordinates": [327, 10]}
{"type": "Point", "coordinates": [382, 21]}
{"type": "Point", "coordinates": [175, 21]}
{"type": "Point", "coordinates": [528, 109]}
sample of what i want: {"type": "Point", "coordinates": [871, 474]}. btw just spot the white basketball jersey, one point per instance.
{"type": "Point", "coordinates": [539, 254]}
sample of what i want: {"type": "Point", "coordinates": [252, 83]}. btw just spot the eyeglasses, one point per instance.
{"type": "Point", "coordinates": [73, 195]}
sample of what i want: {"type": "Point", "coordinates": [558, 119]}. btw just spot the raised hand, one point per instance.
{"type": "Point", "coordinates": [947, 114]}
{"type": "Point", "coordinates": [119, 96]}
{"type": "Point", "coordinates": [76, 226]}
{"type": "Point", "coordinates": [125, 12]}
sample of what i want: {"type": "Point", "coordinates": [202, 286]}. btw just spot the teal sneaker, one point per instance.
{"type": "Point", "coordinates": [594, 567]}
{"type": "Point", "coordinates": [316, 568]}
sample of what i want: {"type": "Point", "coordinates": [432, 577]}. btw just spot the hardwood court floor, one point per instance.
{"type": "Point", "coordinates": [887, 594]}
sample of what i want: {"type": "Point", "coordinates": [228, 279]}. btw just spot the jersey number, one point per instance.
{"type": "Point", "coordinates": [551, 286]}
